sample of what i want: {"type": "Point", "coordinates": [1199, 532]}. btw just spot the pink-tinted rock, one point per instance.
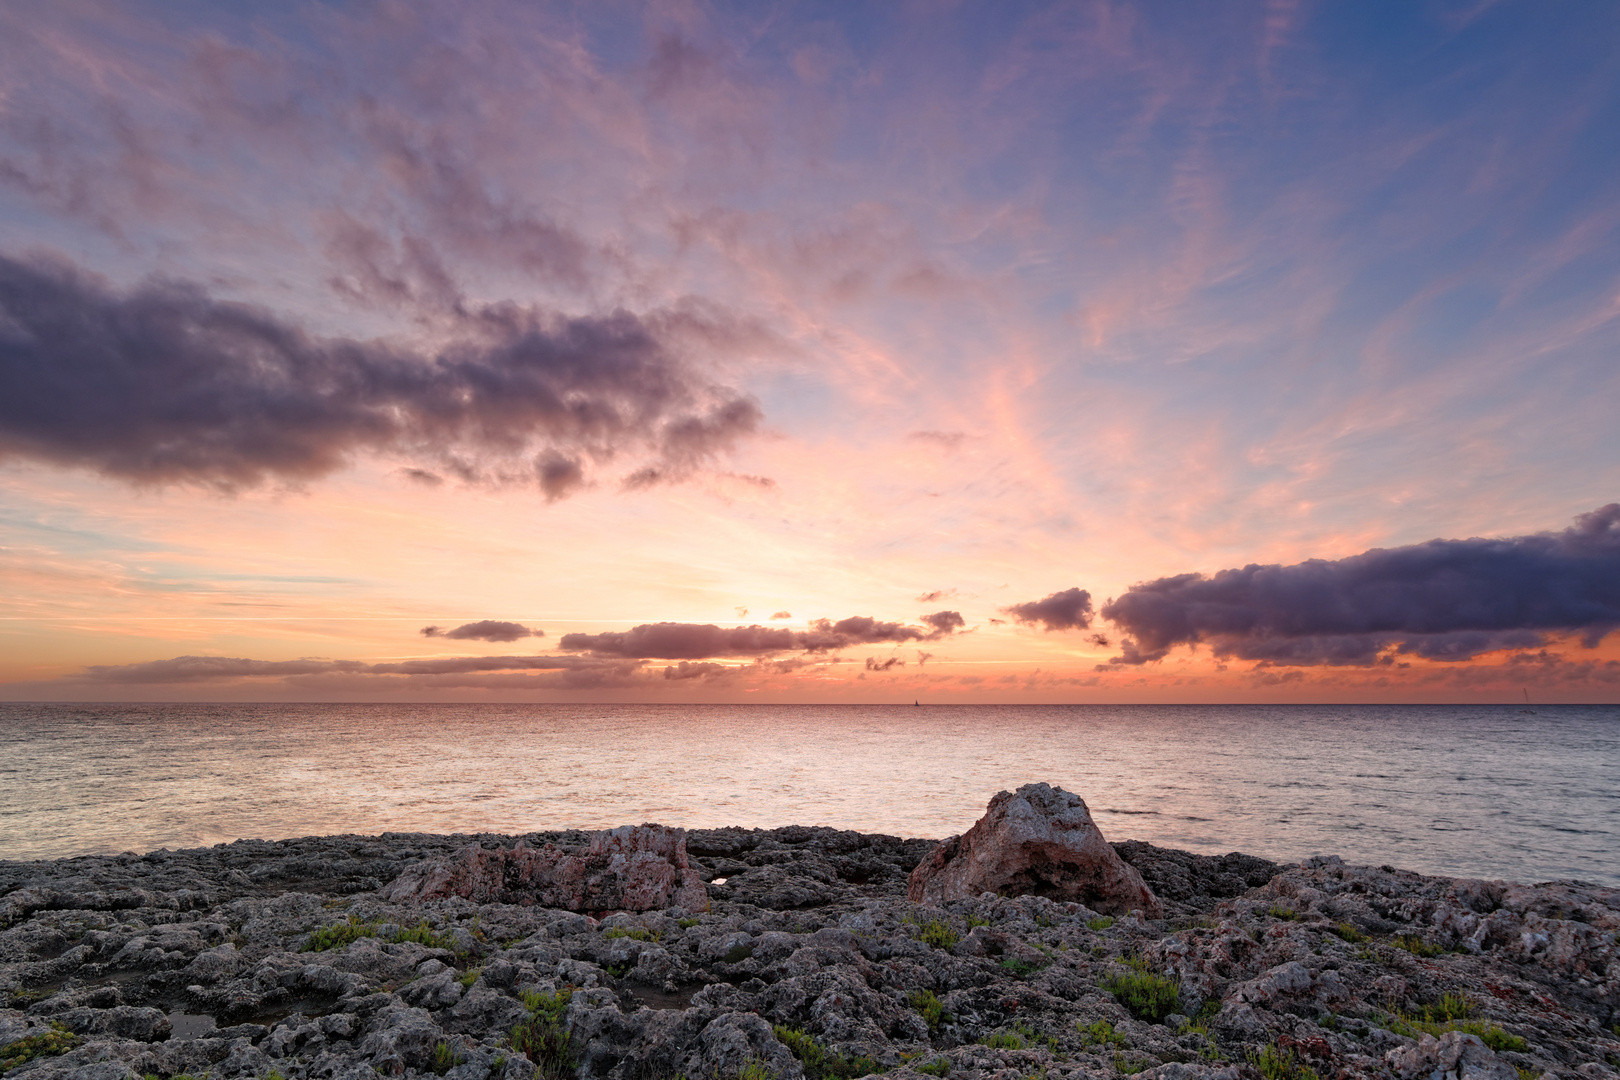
{"type": "Point", "coordinates": [631, 868]}
{"type": "Point", "coordinates": [1039, 839]}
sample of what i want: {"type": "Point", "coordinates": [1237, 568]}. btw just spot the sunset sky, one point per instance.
{"type": "Point", "coordinates": [784, 352]}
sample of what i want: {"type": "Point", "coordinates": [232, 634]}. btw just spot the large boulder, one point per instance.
{"type": "Point", "coordinates": [1041, 840]}
{"type": "Point", "coordinates": [631, 868]}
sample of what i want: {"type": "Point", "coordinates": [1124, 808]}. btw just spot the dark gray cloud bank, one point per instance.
{"type": "Point", "coordinates": [164, 384]}
{"type": "Point", "coordinates": [484, 630]}
{"type": "Point", "coordinates": [698, 641]}
{"type": "Point", "coordinates": [1440, 600]}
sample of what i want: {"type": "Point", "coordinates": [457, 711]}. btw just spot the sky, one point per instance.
{"type": "Point", "coordinates": [777, 352]}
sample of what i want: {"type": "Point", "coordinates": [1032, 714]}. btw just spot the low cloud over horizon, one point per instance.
{"type": "Point", "coordinates": [1444, 600]}
{"type": "Point", "coordinates": [699, 641]}
{"type": "Point", "coordinates": [484, 630]}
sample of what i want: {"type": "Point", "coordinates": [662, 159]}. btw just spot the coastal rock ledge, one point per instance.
{"type": "Point", "coordinates": [1039, 840]}
{"type": "Point", "coordinates": [417, 956]}
{"type": "Point", "coordinates": [631, 868]}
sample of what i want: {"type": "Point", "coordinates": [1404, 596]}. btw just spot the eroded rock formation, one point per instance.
{"type": "Point", "coordinates": [631, 868]}
{"type": "Point", "coordinates": [1041, 841]}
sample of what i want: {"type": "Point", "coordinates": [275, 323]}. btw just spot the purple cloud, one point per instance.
{"type": "Point", "coordinates": [697, 641]}
{"type": "Point", "coordinates": [1440, 600]}
{"type": "Point", "coordinates": [485, 630]}
{"type": "Point", "coordinates": [1066, 610]}
{"type": "Point", "coordinates": [165, 384]}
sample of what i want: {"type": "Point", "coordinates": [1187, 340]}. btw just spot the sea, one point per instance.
{"type": "Point", "coordinates": [1477, 791]}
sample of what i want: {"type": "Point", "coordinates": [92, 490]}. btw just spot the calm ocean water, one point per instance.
{"type": "Point", "coordinates": [1480, 791]}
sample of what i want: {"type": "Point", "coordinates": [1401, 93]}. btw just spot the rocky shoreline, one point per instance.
{"type": "Point", "coordinates": [326, 957]}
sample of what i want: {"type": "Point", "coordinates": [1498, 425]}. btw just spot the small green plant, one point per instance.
{"type": "Point", "coordinates": [1003, 1040]}
{"type": "Point", "coordinates": [937, 934]}
{"type": "Point", "coordinates": [1101, 1033]}
{"type": "Point", "coordinates": [1417, 946]}
{"type": "Point", "coordinates": [930, 1008]}
{"type": "Point", "coordinates": [1278, 911]}
{"type": "Point", "coordinates": [819, 1062]}
{"type": "Point", "coordinates": [1274, 1063]}
{"type": "Point", "coordinates": [754, 1069]}
{"type": "Point", "coordinates": [58, 1040]}
{"type": "Point", "coordinates": [340, 934]}
{"type": "Point", "coordinates": [542, 1038]}
{"type": "Point", "coordinates": [977, 920]}
{"type": "Point", "coordinates": [939, 1067]}
{"type": "Point", "coordinates": [1017, 968]}
{"type": "Point", "coordinates": [445, 1058]}
{"type": "Point", "coordinates": [1452, 1013]}
{"type": "Point", "coordinates": [1145, 995]}
{"type": "Point", "coordinates": [1101, 922]}
{"type": "Point", "coordinates": [634, 933]}
{"type": "Point", "coordinates": [1497, 1039]}
{"type": "Point", "coordinates": [1348, 932]}
{"type": "Point", "coordinates": [1129, 1068]}
{"type": "Point", "coordinates": [468, 977]}
{"type": "Point", "coordinates": [422, 934]}
{"type": "Point", "coordinates": [687, 924]}
{"type": "Point", "coordinates": [1531, 1074]}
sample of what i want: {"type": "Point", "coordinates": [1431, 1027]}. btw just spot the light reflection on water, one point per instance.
{"type": "Point", "coordinates": [1472, 790]}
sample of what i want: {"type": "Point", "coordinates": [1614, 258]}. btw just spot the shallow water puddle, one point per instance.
{"type": "Point", "coordinates": [190, 1025]}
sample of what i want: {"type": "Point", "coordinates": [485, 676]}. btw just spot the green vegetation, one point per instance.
{"type": "Point", "coordinates": [938, 934]}
{"type": "Point", "coordinates": [753, 1069]}
{"type": "Point", "coordinates": [1101, 1033]}
{"type": "Point", "coordinates": [1349, 933]}
{"type": "Point", "coordinates": [542, 1038]}
{"type": "Point", "coordinates": [340, 934]}
{"type": "Point", "coordinates": [976, 920]}
{"type": "Point", "coordinates": [687, 924]}
{"type": "Point", "coordinates": [1130, 1068]}
{"type": "Point", "coordinates": [422, 934]}
{"type": "Point", "coordinates": [58, 1040]}
{"type": "Point", "coordinates": [1145, 995]}
{"type": "Point", "coordinates": [470, 976]}
{"type": "Point", "coordinates": [1017, 968]}
{"type": "Point", "coordinates": [1003, 1040]}
{"type": "Point", "coordinates": [445, 1058]}
{"type": "Point", "coordinates": [936, 1068]}
{"type": "Point", "coordinates": [1274, 1063]}
{"type": "Point", "coordinates": [1278, 911]}
{"type": "Point", "coordinates": [819, 1062]}
{"type": "Point", "coordinates": [930, 1008]}
{"type": "Point", "coordinates": [352, 929]}
{"type": "Point", "coordinates": [1453, 1013]}
{"type": "Point", "coordinates": [1417, 946]}
{"type": "Point", "coordinates": [634, 933]}
{"type": "Point", "coordinates": [1101, 922]}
